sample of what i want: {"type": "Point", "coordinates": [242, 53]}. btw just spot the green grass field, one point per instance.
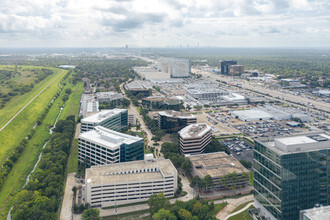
{"type": "Point", "coordinates": [72, 108]}
{"type": "Point", "coordinates": [24, 165]}
{"type": "Point", "coordinates": [17, 102]}
{"type": "Point", "coordinates": [251, 178]}
{"type": "Point", "coordinates": [17, 130]}
{"type": "Point", "coordinates": [243, 215]}
{"type": "Point", "coordinates": [218, 207]}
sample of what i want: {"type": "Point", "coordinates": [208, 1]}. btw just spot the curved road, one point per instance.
{"type": "Point", "coordinates": [239, 211]}
{"type": "Point", "coordinates": [10, 120]}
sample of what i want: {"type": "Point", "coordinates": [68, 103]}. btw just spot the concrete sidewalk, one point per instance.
{"type": "Point", "coordinates": [66, 211]}
{"type": "Point", "coordinates": [232, 204]}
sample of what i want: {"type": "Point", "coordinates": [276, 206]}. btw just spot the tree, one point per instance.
{"type": "Point", "coordinates": [68, 91]}
{"type": "Point", "coordinates": [185, 214]}
{"type": "Point", "coordinates": [197, 183]}
{"type": "Point", "coordinates": [246, 164]}
{"type": "Point", "coordinates": [186, 165]}
{"type": "Point", "coordinates": [163, 214]}
{"type": "Point", "coordinates": [91, 214]}
{"type": "Point", "coordinates": [157, 202]}
{"type": "Point", "coordinates": [198, 107]}
{"type": "Point", "coordinates": [208, 182]}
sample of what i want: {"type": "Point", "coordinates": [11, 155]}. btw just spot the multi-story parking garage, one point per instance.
{"type": "Point", "coordinates": [129, 182]}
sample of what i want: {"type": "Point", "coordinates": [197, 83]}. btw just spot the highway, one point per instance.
{"type": "Point", "coordinates": [282, 95]}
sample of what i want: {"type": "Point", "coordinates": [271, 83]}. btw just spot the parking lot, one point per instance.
{"type": "Point", "coordinates": [239, 148]}
{"type": "Point", "coordinates": [268, 128]}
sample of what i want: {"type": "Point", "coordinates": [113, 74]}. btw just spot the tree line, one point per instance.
{"type": "Point", "coordinates": [41, 197]}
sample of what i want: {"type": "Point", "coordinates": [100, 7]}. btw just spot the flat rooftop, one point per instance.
{"type": "Point", "coordinates": [252, 114]}
{"type": "Point", "coordinates": [109, 94]}
{"type": "Point", "coordinates": [103, 115]}
{"type": "Point", "coordinates": [135, 171]}
{"type": "Point", "coordinates": [299, 143]}
{"type": "Point", "coordinates": [216, 164]}
{"type": "Point", "coordinates": [176, 114]}
{"type": "Point", "coordinates": [320, 213]}
{"type": "Point", "coordinates": [194, 130]}
{"type": "Point", "coordinates": [108, 138]}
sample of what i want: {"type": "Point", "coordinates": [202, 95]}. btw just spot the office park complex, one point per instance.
{"type": "Point", "coordinates": [121, 133]}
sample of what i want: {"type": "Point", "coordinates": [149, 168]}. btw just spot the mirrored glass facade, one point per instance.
{"type": "Point", "coordinates": [287, 183]}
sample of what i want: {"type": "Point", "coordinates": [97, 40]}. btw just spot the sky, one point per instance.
{"type": "Point", "coordinates": [164, 23]}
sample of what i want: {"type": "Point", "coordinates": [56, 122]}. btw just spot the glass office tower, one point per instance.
{"type": "Point", "coordinates": [291, 174]}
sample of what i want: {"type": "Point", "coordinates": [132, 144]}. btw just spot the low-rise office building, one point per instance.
{"type": "Point", "coordinates": [129, 182]}
{"type": "Point", "coordinates": [104, 146]}
{"type": "Point", "coordinates": [161, 102]}
{"type": "Point", "coordinates": [194, 138]}
{"type": "Point", "coordinates": [291, 174]}
{"type": "Point", "coordinates": [115, 119]}
{"type": "Point", "coordinates": [109, 97]}
{"type": "Point", "coordinates": [174, 121]}
{"type": "Point", "coordinates": [225, 171]}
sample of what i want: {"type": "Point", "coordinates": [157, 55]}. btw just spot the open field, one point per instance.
{"type": "Point", "coordinates": [17, 130]}
{"type": "Point", "coordinates": [24, 165]}
{"type": "Point", "coordinates": [17, 102]}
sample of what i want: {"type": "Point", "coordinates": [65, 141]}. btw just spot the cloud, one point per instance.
{"type": "Point", "coordinates": [163, 22]}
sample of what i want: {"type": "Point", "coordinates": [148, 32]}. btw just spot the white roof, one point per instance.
{"type": "Point", "coordinates": [252, 114]}
{"type": "Point", "coordinates": [101, 116]}
{"type": "Point", "coordinates": [194, 130]}
{"type": "Point", "coordinates": [176, 114]}
{"type": "Point", "coordinates": [233, 97]}
{"type": "Point", "coordinates": [108, 138]}
{"type": "Point", "coordinates": [302, 143]}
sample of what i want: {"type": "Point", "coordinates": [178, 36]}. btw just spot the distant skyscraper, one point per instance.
{"type": "Point", "coordinates": [225, 65]}
{"type": "Point", "coordinates": [291, 174]}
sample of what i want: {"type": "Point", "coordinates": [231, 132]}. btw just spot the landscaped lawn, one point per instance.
{"type": "Point", "coordinates": [243, 215]}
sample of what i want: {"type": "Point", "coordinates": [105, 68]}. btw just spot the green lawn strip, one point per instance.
{"type": "Point", "coordinates": [17, 102]}
{"type": "Point", "coordinates": [72, 108]}
{"type": "Point", "coordinates": [25, 164]}
{"type": "Point", "coordinates": [72, 104]}
{"type": "Point", "coordinates": [132, 215]}
{"type": "Point", "coordinates": [218, 207]}
{"type": "Point", "coordinates": [73, 158]}
{"type": "Point", "coordinates": [251, 177]}
{"type": "Point", "coordinates": [17, 130]}
{"type": "Point", "coordinates": [124, 205]}
{"type": "Point", "coordinates": [241, 206]}
{"type": "Point", "coordinates": [243, 215]}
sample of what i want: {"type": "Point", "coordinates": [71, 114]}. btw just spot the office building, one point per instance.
{"type": "Point", "coordinates": [129, 182]}
{"type": "Point", "coordinates": [316, 213]}
{"type": "Point", "coordinates": [161, 103]}
{"type": "Point", "coordinates": [291, 174]}
{"type": "Point", "coordinates": [236, 69]}
{"type": "Point", "coordinates": [174, 121]}
{"type": "Point", "coordinates": [176, 67]}
{"type": "Point", "coordinates": [225, 171]}
{"type": "Point", "coordinates": [194, 138]}
{"type": "Point", "coordinates": [109, 97]}
{"type": "Point", "coordinates": [115, 119]}
{"type": "Point", "coordinates": [104, 146]}
{"type": "Point", "coordinates": [225, 65]}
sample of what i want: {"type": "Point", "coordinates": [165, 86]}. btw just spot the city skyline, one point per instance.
{"type": "Point", "coordinates": [139, 23]}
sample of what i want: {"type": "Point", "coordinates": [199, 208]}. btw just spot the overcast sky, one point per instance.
{"type": "Point", "coordinates": [160, 23]}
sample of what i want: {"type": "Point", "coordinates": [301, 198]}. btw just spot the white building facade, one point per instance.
{"type": "Point", "coordinates": [129, 182]}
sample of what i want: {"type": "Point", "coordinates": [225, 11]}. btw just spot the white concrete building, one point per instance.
{"type": "Point", "coordinates": [176, 67]}
{"type": "Point", "coordinates": [194, 138]}
{"type": "Point", "coordinates": [129, 182]}
{"type": "Point", "coordinates": [109, 96]}
{"type": "Point", "coordinates": [251, 115]}
{"type": "Point", "coordinates": [115, 119]}
{"type": "Point", "coordinates": [104, 146]}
